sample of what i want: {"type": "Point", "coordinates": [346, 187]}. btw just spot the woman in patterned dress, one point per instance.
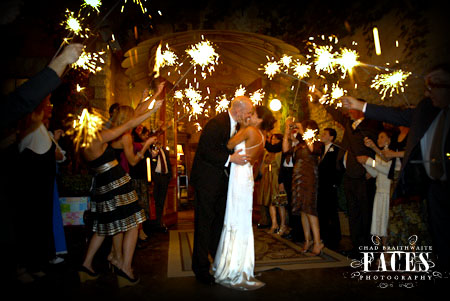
{"type": "Point", "coordinates": [305, 182]}
{"type": "Point", "coordinates": [114, 206]}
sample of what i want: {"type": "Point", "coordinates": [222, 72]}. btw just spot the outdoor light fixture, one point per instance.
{"type": "Point", "coordinates": [275, 105]}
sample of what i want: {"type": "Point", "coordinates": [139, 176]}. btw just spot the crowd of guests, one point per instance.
{"type": "Point", "coordinates": [392, 164]}
{"type": "Point", "coordinates": [120, 193]}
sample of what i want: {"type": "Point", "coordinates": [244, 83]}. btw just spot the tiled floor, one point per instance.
{"type": "Point", "coordinates": [150, 263]}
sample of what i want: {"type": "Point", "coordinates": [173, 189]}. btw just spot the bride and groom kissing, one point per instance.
{"type": "Point", "coordinates": [222, 175]}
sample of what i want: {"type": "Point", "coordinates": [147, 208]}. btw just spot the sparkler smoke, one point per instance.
{"type": "Point", "coordinates": [390, 82]}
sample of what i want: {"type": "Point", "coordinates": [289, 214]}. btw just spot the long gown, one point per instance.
{"type": "Point", "coordinates": [235, 258]}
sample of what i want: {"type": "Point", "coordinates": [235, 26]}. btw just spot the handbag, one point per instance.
{"type": "Point", "coordinates": [280, 199]}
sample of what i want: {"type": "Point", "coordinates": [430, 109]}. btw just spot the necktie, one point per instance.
{"type": "Point", "coordinates": [162, 162]}
{"type": "Point", "coordinates": [436, 153]}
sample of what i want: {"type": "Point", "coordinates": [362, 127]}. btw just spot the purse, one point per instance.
{"type": "Point", "coordinates": [280, 199]}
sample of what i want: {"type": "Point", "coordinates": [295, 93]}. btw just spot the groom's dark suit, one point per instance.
{"type": "Point", "coordinates": [209, 177]}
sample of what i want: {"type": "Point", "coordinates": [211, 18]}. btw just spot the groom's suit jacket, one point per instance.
{"type": "Point", "coordinates": [208, 169]}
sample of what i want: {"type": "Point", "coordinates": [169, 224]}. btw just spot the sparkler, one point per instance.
{"type": "Point", "coordinates": [88, 61]}
{"type": "Point", "coordinates": [85, 129]}
{"type": "Point", "coordinates": [309, 136]}
{"type": "Point", "coordinates": [203, 54]}
{"type": "Point", "coordinates": [301, 70]}
{"type": "Point", "coordinates": [324, 59]}
{"type": "Point", "coordinates": [94, 4]}
{"type": "Point", "coordinates": [271, 68]}
{"type": "Point", "coordinates": [257, 97]}
{"type": "Point", "coordinates": [138, 3]}
{"type": "Point", "coordinates": [240, 91]}
{"type": "Point", "coordinates": [222, 104]}
{"type": "Point", "coordinates": [286, 61]}
{"type": "Point", "coordinates": [390, 82]}
{"type": "Point", "coordinates": [347, 60]}
{"type": "Point", "coordinates": [163, 58]}
{"type": "Point", "coordinates": [73, 24]}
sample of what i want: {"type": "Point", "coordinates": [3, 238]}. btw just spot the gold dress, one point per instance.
{"type": "Point", "coordinates": [270, 169]}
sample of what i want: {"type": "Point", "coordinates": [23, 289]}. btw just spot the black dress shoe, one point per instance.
{"type": "Point", "coordinates": [206, 278]}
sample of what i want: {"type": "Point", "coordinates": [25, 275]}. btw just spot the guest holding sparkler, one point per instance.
{"type": "Point", "coordinates": [305, 181]}
{"type": "Point", "coordinates": [426, 164]}
{"type": "Point", "coordinates": [114, 204]}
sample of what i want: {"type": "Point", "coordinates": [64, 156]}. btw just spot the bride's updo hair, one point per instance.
{"type": "Point", "coordinates": [266, 115]}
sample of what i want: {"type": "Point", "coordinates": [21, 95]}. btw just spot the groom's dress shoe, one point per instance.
{"type": "Point", "coordinates": [205, 278]}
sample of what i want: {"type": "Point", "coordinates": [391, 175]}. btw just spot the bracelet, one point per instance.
{"type": "Point", "coordinates": [140, 155]}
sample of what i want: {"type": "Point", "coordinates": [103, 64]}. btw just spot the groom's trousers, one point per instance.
{"type": "Point", "coordinates": [209, 217]}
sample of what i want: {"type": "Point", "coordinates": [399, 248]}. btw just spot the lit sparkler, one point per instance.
{"type": "Point", "coordinates": [85, 129]}
{"type": "Point", "coordinates": [94, 4]}
{"type": "Point", "coordinates": [203, 54]}
{"type": "Point", "coordinates": [163, 58]}
{"type": "Point", "coordinates": [324, 59]}
{"type": "Point", "coordinates": [257, 97]}
{"type": "Point", "coordinates": [271, 68]}
{"type": "Point", "coordinates": [240, 91]}
{"type": "Point", "coordinates": [89, 61]}
{"type": "Point", "coordinates": [301, 70]}
{"type": "Point", "coordinates": [390, 82]}
{"type": "Point", "coordinates": [347, 60]}
{"type": "Point", "coordinates": [309, 136]}
{"type": "Point", "coordinates": [286, 61]}
{"type": "Point", "coordinates": [138, 3]}
{"type": "Point", "coordinates": [79, 88]}
{"type": "Point", "coordinates": [222, 104]}
{"type": "Point", "coordinates": [73, 24]}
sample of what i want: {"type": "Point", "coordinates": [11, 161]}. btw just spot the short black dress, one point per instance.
{"type": "Point", "coordinates": [114, 205]}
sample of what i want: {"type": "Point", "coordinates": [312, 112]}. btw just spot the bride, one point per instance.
{"type": "Point", "coordinates": [235, 258]}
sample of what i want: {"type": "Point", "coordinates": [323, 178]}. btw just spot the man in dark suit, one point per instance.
{"type": "Point", "coordinates": [327, 199]}
{"type": "Point", "coordinates": [161, 176]}
{"type": "Point", "coordinates": [209, 177]}
{"type": "Point", "coordinates": [426, 163]}
{"type": "Point", "coordinates": [358, 188]}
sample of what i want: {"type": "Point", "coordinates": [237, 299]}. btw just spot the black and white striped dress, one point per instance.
{"type": "Point", "coordinates": [114, 205]}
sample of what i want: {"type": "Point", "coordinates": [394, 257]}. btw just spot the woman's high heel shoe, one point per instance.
{"type": "Point", "coordinates": [320, 252]}
{"type": "Point", "coordinates": [273, 230]}
{"type": "Point", "coordinates": [124, 280]}
{"type": "Point", "coordinates": [284, 230]}
{"type": "Point", "coordinates": [86, 275]}
{"type": "Point", "coordinates": [307, 246]}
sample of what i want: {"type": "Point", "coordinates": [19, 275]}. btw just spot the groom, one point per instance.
{"type": "Point", "coordinates": [209, 177]}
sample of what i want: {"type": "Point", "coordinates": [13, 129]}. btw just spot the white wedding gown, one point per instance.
{"type": "Point", "coordinates": [235, 257]}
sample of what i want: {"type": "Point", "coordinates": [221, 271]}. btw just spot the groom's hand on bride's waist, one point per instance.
{"type": "Point", "coordinates": [238, 158]}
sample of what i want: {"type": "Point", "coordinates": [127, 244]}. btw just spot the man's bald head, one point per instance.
{"type": "Point", "coordinates": [241, 108]}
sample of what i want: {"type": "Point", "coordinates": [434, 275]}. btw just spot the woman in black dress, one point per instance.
{"type": "Point", "coordinates": [114, 202]}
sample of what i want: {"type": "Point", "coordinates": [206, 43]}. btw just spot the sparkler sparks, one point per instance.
{"type": "Point", "coordinates": [309, 136]}
{"type": "Point", "coordinates": [94, 4]}
{"type": "Point", "coordinates": [204, 55]}
{"type": "Point", "coordinates": [286, 61]}
{"type": "Point", "coordinates": [257, 97]}
{"type": "Point", "coordinates": [301, 70]}
{"type": "Point", "coordinates": [222, 104]}
{"type": "Point", "coordinates": [88, 61]}
{"type": "Point", "coordinates": [73, 24]}
{"type": "Point", "coordinates": [271, 68]}
{"type": "Point", "coordinates": [85, 129]}
{"type": "Point", "coordinates": [240, 91]}
{"type": "Point", "coordinates": [390, 82]}
{"type": "Point", "coordinates": [347, 60]}
{"type": "Point", "coordinates": [138, 3]}
{"type": "Point", "coordinates": [163, 58]}
{"type": "Point", "coordinates": [324, 59]}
